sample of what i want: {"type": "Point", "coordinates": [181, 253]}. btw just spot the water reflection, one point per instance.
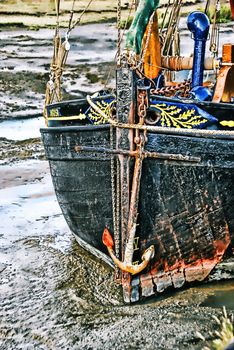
{"type": "Point", "coordinates": [221, 297]}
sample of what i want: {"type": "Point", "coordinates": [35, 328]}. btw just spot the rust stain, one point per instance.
{"type": "Point", "coordinates": [221, 245]}
{"type": "Point", "coordinates": [165, 275]}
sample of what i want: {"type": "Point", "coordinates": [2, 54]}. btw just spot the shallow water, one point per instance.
{"type": "Point", "coordinates": [31, 50]}
{"type": "Point", "coordinates": [21, 129]}
{"type": "Point", "coordinates": [221, 297]}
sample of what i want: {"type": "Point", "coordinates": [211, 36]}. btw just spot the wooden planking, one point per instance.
{"type": "Point", "coordinates": [189, 145]}
{"type": "Point", "coordinates": [85, 198]}
{"type": "Point", "coordinates": [147, 284]}
{"type": "Point", "coordinates": [186, 209]}
{"type": "Point", "coordinates": [135, 289]}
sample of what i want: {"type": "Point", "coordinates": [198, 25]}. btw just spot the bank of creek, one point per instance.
{"type": "Point", "coordinates": [54, 295]}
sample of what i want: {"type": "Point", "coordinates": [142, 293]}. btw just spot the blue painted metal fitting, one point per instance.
{"type": "Point", "coordinates": [201, 93]}
{"type": "Point", "coordinates": [198, 24]}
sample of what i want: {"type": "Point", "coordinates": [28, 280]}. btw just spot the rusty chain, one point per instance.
{"type": "Point", "coordinates": [143, 105]}
{"type": "Point", "coordinates": [183, 89]}
{"type": "Point", "coordinates": [115, 192]}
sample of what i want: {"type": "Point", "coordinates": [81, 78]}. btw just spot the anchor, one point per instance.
{"type": "Point", "coordinates": [125, 140]}
{"type": "Point", "coordinates": [127, 265]}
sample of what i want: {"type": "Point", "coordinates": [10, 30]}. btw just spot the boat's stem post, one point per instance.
{"type": "Point", "coordinates": [124, 140]}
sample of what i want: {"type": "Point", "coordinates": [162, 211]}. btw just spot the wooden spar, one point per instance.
{"type": "Point", "coordinates": [124, 141]}
{"type": "Point", "coordinates": [224, 90]}
{"type": "Point", "coordinates": [177, 63]}
{"type": "Point", "coordinates": [232, 8]}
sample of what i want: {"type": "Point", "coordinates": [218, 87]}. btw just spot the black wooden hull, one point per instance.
{"type": "Point", "coordinates": [185, 208]}
{"type": "Point", "coordinates": [81, 181]}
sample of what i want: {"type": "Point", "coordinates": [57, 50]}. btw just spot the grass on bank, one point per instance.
{"type": "Point", "coordinates": [222, 337]}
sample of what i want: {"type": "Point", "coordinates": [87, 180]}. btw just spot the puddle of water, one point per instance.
{"type": "Point", "coordinates": [22, 129]}
{"type": "Point", "coordinates": [220, 298]}
{"type": "Point", "coordinates": [31, 209]}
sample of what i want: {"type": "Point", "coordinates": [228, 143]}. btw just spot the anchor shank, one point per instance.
{"type": "Point", "coordinates": [133, 210]}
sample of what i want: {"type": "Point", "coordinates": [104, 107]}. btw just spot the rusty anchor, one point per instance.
{"type": "Point", "coordinates": [127, 265]}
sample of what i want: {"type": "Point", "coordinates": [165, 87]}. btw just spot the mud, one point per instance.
{"type": "Point", "coordinates": [25, 60]}
{"type": "Point", "coordinates": [53, 294]}
{"type": "Point", "coordinates": [40, 13]}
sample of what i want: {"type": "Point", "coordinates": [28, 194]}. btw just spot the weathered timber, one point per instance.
{"type": "Point", "coordinates": [124, 141]}
{"type": "Point", "coordinates": [185, 208]}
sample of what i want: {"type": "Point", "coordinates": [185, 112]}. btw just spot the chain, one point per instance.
{"type": "Point", "coordinates": [117, 236]}
{"type": "Point", "coordinates": [182, 88]}
{"type": "Point", "coordinates": [115, 192]}
{"type": "Point", "coordinates": [113, 179]}
{"type": "Point", "coordinates": [142, 105]}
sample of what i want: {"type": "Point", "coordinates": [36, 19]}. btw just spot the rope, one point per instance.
{"type": "Point", "coordinates": [172, 27]}
{"type": "Point", "coordinates": [164, 17]}
{"type": "Point", "coordinates": [119, 31]}
{"type": "Point", "coordinates": [207, 7]}
{"type": "Point", "coordinates": [72, 26]}
{"type": "Point", "coordinates": [214, 40]}
{"type": "Point", "coordinates": [122, 35]}
{"type": "Point", "coordinates": [57, 8]}
{"type": "Point", "coordinates": [71, 15]}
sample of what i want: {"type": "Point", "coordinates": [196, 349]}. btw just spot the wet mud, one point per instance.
{"type": "Point", "coordinates": [53, 294]}
{"type": "Point", "coordinates": [24, 66]}
{"type": "Point", "coordinates": [41, 13]}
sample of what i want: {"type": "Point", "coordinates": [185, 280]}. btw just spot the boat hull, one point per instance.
{"type": "Point", "coordinates": [185, 206]}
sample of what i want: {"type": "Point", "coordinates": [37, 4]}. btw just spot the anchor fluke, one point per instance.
{"type": "Point", "coordinates": [107, 239]}
{"type": "Point", "coordinates": [127, 266]}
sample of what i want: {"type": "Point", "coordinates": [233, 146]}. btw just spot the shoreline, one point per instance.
{"type": "Point", "coordinates": [42, 14]}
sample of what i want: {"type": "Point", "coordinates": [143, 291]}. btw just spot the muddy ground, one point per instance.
{"type": "Point", "coordinates": [40, 13]}
{"type": "Point", "coordinates": [53, 294]}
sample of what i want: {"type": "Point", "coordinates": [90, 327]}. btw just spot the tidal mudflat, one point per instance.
{"type": "Point", "coordinates": [53, 294]}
